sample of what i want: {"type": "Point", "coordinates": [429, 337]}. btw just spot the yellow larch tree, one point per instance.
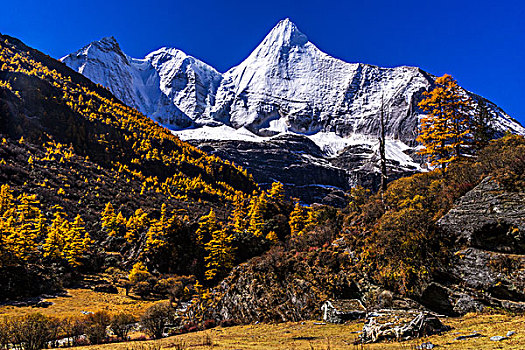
{"type": "Point", "coordinates": [298, 220]}
{"type": "Point", "coordinates": [55, 241]}
{"type": "Point", "coordinates": [138, 273]}
{"type": "Point", "coordinates": [221, 254]}
{"type": "Point", "coordinates": [109, 220]}
{"type": "Point", "coordinates": [238, 217]}
{"type": "Point", "coordinates": [207, 226]}
{"type": "Point", "coordinates": [78, 242]}
{"type": "Point", "coordinates": [444, 131]}
{"type": "Point", "coordinates": [135, 224]}
{"type": "Point", "coordinates": [276, 193]}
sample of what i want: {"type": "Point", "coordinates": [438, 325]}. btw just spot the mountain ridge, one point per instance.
{"type": "Point", "coordinates": [286, 85]}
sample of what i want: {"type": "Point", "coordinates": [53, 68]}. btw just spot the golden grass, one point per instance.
{"type": "Point", "coordinates": [307, 335]}
{"type": "Point", "coordinates": [83, 300]}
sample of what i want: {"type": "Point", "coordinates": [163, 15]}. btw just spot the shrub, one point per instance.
{"type": "Point", "coordinates": [97, 324]}
{"type": "Point", "coordinates": [156, 318]}
{"type": "Point", "coordinates": [209, 324]}
{"type": "Point", "coordinates": [31, 332]}
{"type": "Point", "coordinates": [121, 324]}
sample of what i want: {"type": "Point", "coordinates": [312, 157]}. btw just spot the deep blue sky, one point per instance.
{"type": "Point", "coordinates": [480, 42]}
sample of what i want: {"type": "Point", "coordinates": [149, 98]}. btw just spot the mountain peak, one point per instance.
{"type": "Point", "coordinates": [285, 33]}
{"type": "Point", "coordinates": [108, 43]}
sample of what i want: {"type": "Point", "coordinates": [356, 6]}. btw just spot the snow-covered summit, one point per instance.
{"type": "Point", "coordinates": [284, 34]}
{"type": "Point", "coordinates": [167, 85]}
{"type": "Point", "coordinates": [285, 85]}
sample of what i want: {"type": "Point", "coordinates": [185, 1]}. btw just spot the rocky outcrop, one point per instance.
{"type": "Point", "coordinates": [306, 171]}
{"type": "Point", "coordinates": [340, 311]}
{"type": "Point", "coordinates": [488, 269]}
{"type": "Point", "coordinates": [489, 218]}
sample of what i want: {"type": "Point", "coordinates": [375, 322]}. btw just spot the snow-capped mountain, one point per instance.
{"type": "Point", "coordinates": [167, 85]}
{"type": "Point", "coordinates": [285, 86]}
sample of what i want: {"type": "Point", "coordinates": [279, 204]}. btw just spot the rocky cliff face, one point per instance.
{"type": "Point", "coordinates": [304, 169]}
{"type": "Point", "coordinates": [489, 217]}
{"type": "Point", "coordinates": [488, 269]}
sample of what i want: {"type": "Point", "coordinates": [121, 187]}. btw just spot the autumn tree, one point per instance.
{"type": "Point", "coordinates": [207, 226]}
{"type": "Point", "coordinates": [111, 222]}
{"type": "Point", "coordinates": [156, 237]}
{"type": "Point", "coordinates": [135, 225]}
{"type": "Point", "coordinates": [238, 217]}
{"type": "Point", "coordinates": [30, 227]}
{"type": "Point", "coordinates": [444, 131]}
{"type": "Point", "coordinates": [78, 242]}
{"type": "Point", "coordinates": [139, 273]}
{"type": "Point", "coordinates": [55, 241]}
{"type": "Point", "coordinates": [258, 207]}
{"type": "Point", "coordinates": [221, 254]}
{"type": "Point", "coordinates": [298, 220]}
{"type": "Point", "coordinates": [276, 193]}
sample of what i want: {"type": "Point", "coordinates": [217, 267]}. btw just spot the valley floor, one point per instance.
{"type": "Point", "coordinates": [309, 335]}
{"type": "Point", "coordinates": [80, 300]}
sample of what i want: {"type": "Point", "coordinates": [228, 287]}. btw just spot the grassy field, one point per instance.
{"type": "Point", "coordinates": [83, 299]}
{"type": "Point", "coordinates": [286, 336]}
{"type": "Point", "coordinates": [307, 335]}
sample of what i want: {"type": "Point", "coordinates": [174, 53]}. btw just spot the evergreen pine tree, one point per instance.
{"type": "Point", "coordinates": [481, 127]}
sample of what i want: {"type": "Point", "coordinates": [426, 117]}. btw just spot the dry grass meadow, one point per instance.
{"type": "Point", "coordinates": [309, 336]}
{"type": "Point", "coordinates": [287, 336]}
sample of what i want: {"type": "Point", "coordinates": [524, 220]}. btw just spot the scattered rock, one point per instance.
{"type": "Point", "coordinates": [400, 325]}
{"type": "Point", "coordinates": [427, 345]}
{"type": "Point", "coordinates": [43, 304]}
{"type": "Point", "coordinates": [497, 338]}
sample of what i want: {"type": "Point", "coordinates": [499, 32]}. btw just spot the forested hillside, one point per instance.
{"type": "Point", "coordinates": [82, 174]}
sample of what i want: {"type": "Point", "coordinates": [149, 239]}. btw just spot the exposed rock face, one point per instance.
{"type": "Point", "coordinates": [489, 221]}
{"type": "Point", "coordinates": [306, 171]}
{"type": "Point", "coordinates": [286, 85]}
{"type": "Point", "coordinates": [340, 311]}
{"type": "Point", "coordinates": [489, 218]}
